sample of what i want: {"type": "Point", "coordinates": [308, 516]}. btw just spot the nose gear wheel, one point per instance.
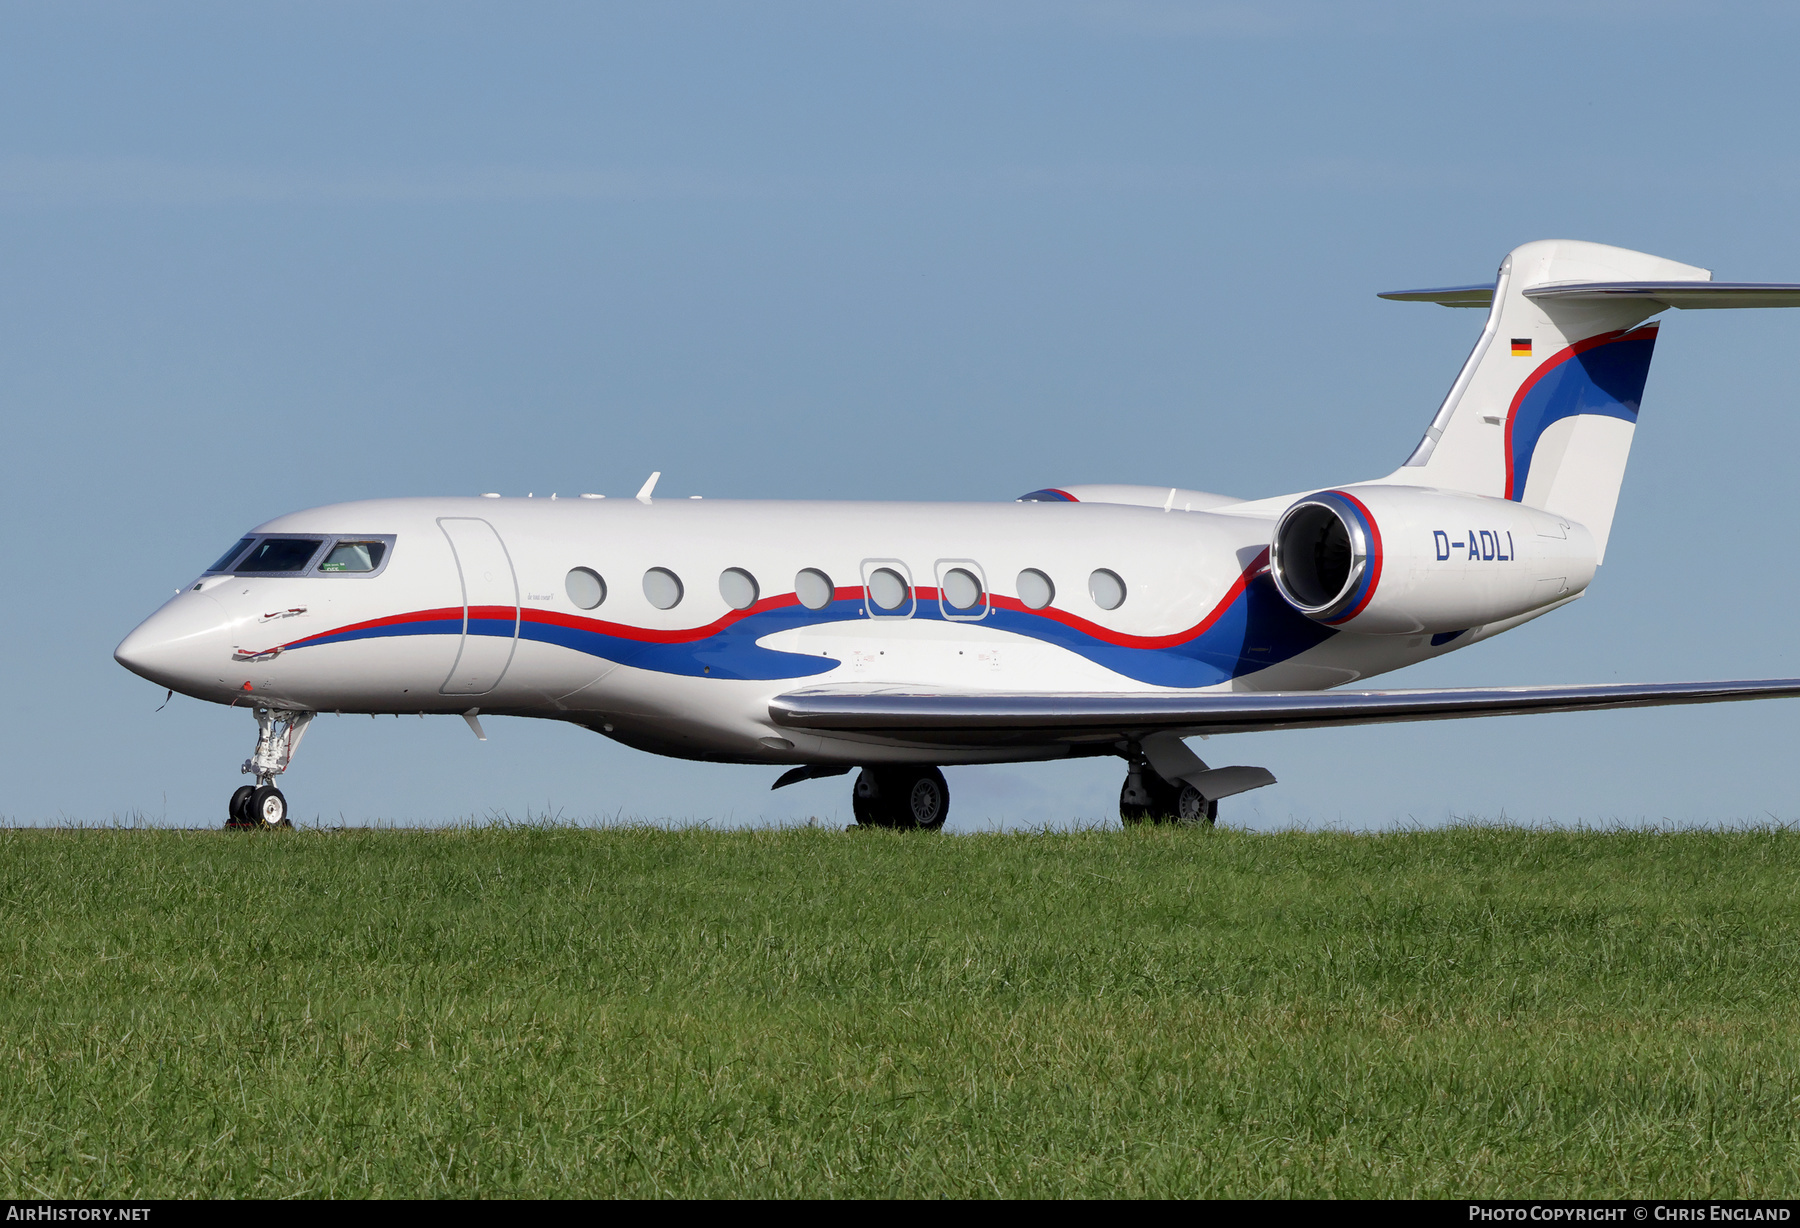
{"type": "Point", "coordinates": [268, 808]}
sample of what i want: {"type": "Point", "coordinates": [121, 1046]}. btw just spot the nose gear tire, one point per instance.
{"type": "Point", "coordinates": [238, 815]}
{"type": "Point", "coordinates": [268, 808]}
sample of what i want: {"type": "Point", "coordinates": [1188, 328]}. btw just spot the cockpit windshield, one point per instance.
{"type": "Point", "coordinates": [276, 554]}
{"type": "Point", "coordinates": [364, 554]}
{"type": "Point", "coordinates": [225, 560]}
{"type": "Point", "coordinates": [354, 556]}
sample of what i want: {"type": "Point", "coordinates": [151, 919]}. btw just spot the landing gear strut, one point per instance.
{"type": "Point", "coordinates": [911, 796]}
{"type": "Point", "coordinates": [278, 736]}
{"type": "Point", "coordinates": [1146, 797]}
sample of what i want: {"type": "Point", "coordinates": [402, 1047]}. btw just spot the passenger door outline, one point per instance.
{"type": "Point", "coordinates": [485, 573]}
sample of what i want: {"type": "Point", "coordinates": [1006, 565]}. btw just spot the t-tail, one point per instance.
{"type": "Point", "coordinates": [1544, 409]}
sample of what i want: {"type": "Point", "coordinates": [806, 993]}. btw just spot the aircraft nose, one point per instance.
{"type": "Point", "coordinates": [181, 643]}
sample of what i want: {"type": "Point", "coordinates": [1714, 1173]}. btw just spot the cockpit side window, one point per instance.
{"type": "Point", "coordinates": [279, 554]}
{"type": "Point", "coordinates": [225, 560]}
{"type": "Point", "coordinates": [352, 556]}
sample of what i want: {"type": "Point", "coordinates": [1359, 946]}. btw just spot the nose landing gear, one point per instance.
{"type": "Point", "coordinates": [278, 736]}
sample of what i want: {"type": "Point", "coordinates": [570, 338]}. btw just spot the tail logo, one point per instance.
{"type": "Point", "coordinates": [1601, 375]}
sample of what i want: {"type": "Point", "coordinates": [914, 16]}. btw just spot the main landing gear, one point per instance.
{"type": "Point", "coordinates": [1146, 797]}
{"type": "Point", "coordinates": [278, 736]}
{"type": "Point", "coordinates": [907, 796]}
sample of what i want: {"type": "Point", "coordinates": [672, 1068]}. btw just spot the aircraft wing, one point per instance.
{"type": "Point", "coordinates": [971, 718]}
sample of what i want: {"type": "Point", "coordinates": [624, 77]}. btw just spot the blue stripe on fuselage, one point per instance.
{"type": "Point", "coordinates": [1256, 630]}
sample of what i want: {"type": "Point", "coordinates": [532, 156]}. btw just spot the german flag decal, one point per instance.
{"type": "Point", "coordinates": [1521, 347]}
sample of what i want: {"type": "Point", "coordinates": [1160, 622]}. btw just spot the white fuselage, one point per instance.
{"type": "Point", "coordinates": [472, 609]}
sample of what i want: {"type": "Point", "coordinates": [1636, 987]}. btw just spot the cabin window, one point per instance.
{"type": "Point", "coordinates": [1107, 590]}
{"type": "Point", "coordinates": [814, 588]}
{"type": "Point", "coordinates": [889, 593]}
{"type": "Point", "coordinates": [739, 588]}
{"type": "Point", "coordinates": [279, 554]}
{"type": "Point", "coordinates": [354, 556]}
{"type": "Point", "coordinates": [961, 592]}
{"type": "Point", "coordinates": [584, 587]}
{"type": "Point", "coordinates": [662, 588]}
{"type": "Point", "coordinates": [1035, 589]}
{"type": "Point", "coordinates": [224, 563]}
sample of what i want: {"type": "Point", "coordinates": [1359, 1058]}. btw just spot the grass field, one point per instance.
{"type": "Point", "coordinates": [805, 1012]}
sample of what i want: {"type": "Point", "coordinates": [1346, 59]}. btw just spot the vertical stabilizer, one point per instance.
{"type": "Point", "coordinates": [1544, 409]}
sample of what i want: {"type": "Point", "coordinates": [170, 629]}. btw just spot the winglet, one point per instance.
{"type": "Point", "coordinates": [643, 496]}
{"type": "Point", "coordinates": [472, 716]}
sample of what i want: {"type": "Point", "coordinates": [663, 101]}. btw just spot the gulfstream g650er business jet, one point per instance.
{"type": "Point", "coordinates": [899, 637]}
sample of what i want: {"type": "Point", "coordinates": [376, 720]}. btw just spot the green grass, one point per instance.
{"type": "Point", "coordinates": [803, 1012]}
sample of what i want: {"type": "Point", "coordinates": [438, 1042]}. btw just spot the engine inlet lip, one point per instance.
{"type": "Point", "coordinates": [1359, 556]}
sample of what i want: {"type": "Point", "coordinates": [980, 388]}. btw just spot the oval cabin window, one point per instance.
{"type": "Point", "coordinates": [962, 591]}
{"type": "Point", "coordinates": [814, 588]}
{"type": "Point", "coordinates": [1107, 590]}
{"type": "Point", "coordinates": [584, 587]}
{"type": "Point", "coordinates": [662, 588]}
{"type": "Point", "coordinates": [887, 590]}
{"type": "Point", "coordinates": [738, 587]}
{"type": "Point", "coordinates": [1035, 589]}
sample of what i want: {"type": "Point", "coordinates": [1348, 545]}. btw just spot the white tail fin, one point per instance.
{"type": "Point", "coordinates": [1544, 409]}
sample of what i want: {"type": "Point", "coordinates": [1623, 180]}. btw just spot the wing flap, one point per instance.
{"type": "Point", "coordinates": [1002, 719]}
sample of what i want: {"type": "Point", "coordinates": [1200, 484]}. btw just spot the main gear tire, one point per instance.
{"type": "Point", "coordinates": [1169, 802]}
{"type": "Point", "coordinates": [1193, 810]}
{"type": "Point", "coordinates": [911, 797]}
{"type": "Point", "coordinates": [862, 799]}
{"type": "Point", "coordinates": [924, 802]}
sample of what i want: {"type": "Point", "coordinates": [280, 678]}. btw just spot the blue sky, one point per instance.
{"type": "Point", "coordinates": [255, 258]}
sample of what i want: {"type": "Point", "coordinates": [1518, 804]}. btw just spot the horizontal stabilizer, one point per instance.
{"type": "Point", "coordinates": [1037, 719]}
{"type": "Point", "coordinates": [1689, 295]}
{"type": "Point", "coordinates": [1446, 296]}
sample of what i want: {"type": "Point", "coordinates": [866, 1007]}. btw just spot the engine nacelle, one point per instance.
{"type": "Point", "coordinates": [1401, 560]}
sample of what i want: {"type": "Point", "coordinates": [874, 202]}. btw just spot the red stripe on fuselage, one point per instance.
{"type": "Point", "coordinates": [1256, 567]}
{"type": "Point", "coordinates": [691, 634]}
{"type": "Point", "coordinates": [393, 620]}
